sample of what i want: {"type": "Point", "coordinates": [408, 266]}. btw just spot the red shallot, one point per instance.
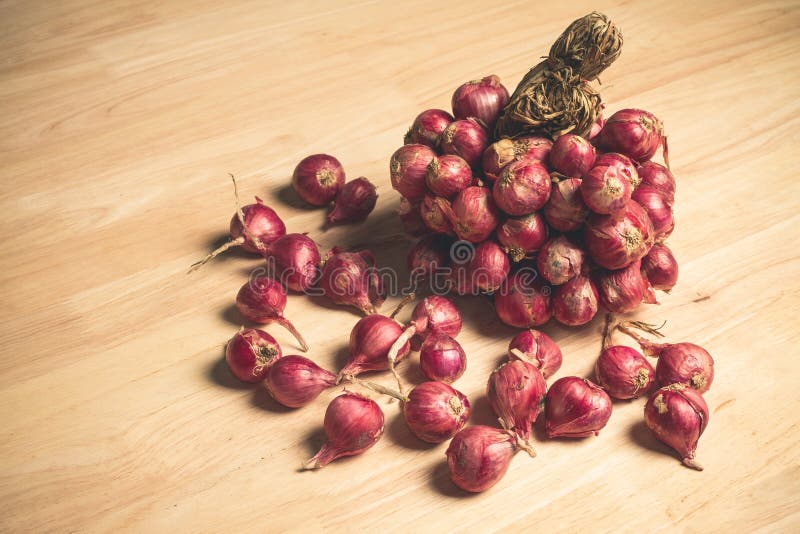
{"type": "Point", "coordinates": [522, 236]}
{"type": "Point", "coordinates": [657, 208]}
{"type": "Point", "coordinates": [447, 175]}
{"type": "Point", "coordinates": [572, 155]}
{"type": "Point", "coordinates": [466, 138]}
{"type": "Point", "coordinates": [295, 259]}
{"type": "Point", "coordinates": [559, 260]}
{"type": "Point", "coordinates": [515, 391]}
{"type": "Point", "coordinates": [428, 126]}
{"type": "Point", "coordinates": [473, 214]}
{"type": "Point", "coordinates": [482, 99]}
{"type": "Point", "coordinates": [353, 424]}
{"type": "Point", "coordinates": [429, 255]}
{"type": "Point", "coordinates": [499, 154]}
{"type": "Point", "coordinates": [576, 301]}
{"type": "Point", "coordinates": [489, 267]}
{"type": "Point", "coordinates": [442, 358]}
{"type": "Point", "coordinates": [434, 411]}
{"type": "Point", "coordinates": [479, 456]}
{"type": "Point", "coordinates": [522, 188]}
{"type": "Point", "coordinates": [605, 190]}
{"type": "Point", "coordinates": [660, 178]}
{"type": "Point", "coordinates": [677, 417]}
{"type": "Point", "coordinates": [565, 210]}
{"type": "Point", "coordinates": [622, 291]}
{"type": "Point", "coordinates": [407, 169]}
{"type": "Point", "coordinates": [262, 300]}
{"type": "Point", "coordinates": [295, 381]}
{"type": "Point", "coordinates": [523, 301]}
{"type": "Point", "coordinates": [623, 372]}
{"type": "Point", "coordinates": [616, 243]}
{"type": "Point", "coordinates": [633, 132]}
{"type": "Point", "coordinates": [249, 354]}
{"type": "Point", "coordinates": [370, 341]}
{"type": "Point", "coordinates": [318, 178]}
{"type": "Point", "coordinates": [432, 315]}
{"type": "Point", "coordinates": [538, 349]}
{"type": "Point", "coordinates": [660, 267]}
{"type": "Point", "coordinates": [575, 408]}
{"type": "Point", "coordinates": [355, 201]}
{"type": "Point", "coordinates": [351, 279]}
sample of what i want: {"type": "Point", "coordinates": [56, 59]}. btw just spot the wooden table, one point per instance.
{"type": "Point", "coordinates": [120, 122]}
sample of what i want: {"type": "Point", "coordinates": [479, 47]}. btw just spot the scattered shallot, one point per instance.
{"type": "Point", "coordinates": [515, 391]}
{"type": "Point", "coordinates": [351, 279]}
{"type": "Point", "coordinates": [317, 179]}
{"type": "Point", "coordinates": [442, 358]}
{"type": "Point", "coordinates": [262, 300]}
{"type": "Point", "coordinates": [355, 201]}
{"type": "Point", "coordinates": [250, 353]}
{"type": "Point", "coordinates": [677, 417]}
{"type": "Point", "coordinates": [479, 456]}
{"type": "Point", "coordinates": [295, 381]}
{"type": "Point", "coordinates": [538, 349]}
{"type": "Point", "coordinates": [660, 267]}
{"type": "Point", "coordinates": [523, 301]}
{"type": "Point", "coordinates": [576, 408]}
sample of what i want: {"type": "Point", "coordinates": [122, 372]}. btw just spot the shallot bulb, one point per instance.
{"type": "Point", "coordinates": [616, 243]}
{"type": "Point", "coordinates": [442, 358]}
{"type": "Point", "coordinates": [250, 353]}
{"type": "Point", "coordinates": [432, 315]}
{"type": "Point", "coordinates": [482, 99]}
{"type": "Point", "coordinates": [572, 155]}
{"type": "Point", "coordinates": [575, 302]}
{"type": "Point", "coordinates": [489, 267]}
{"type": "Point", "coordinates": [479, 456]}
{"type": "Point", "coordinates": [295, 259]}
{"type": "Point", "coordinates": [575, 408]}
{"type": "Point", "coordinates": [499, 154]}
{"type": "Point", "coordinates": [262, 224]}
{"type": "Point", "coordinates": [351, 279]}
{"type": "Point", "coordinates": [657, 208]}
{"type": "Point", "coordinates": [605, 190]}
{"type": "Point", "coordinates": [538, 349]}
{"type": "Point", "coordinates": [434, 216]}
{"type": "Point", "coordinates": [623, 372]}
{"type": "Point", "coordinates": [523, 301]}
{"type": "Point", "coordinates": [353, 424]}
{"type": "Point", "coordinates": [677, 417]}
{"type": "Point", "coordinates": [355, 201]}
{"type": "Point", "coordinates": [684, 363]}
{"type": "Point", "coordinates": [447, 175]}
{"type": "Point", "coordinates": [515, 391]}
{"type": "Point", "coordinates": [633, 132]}
{"type": "Point", "coordinates": [522, 188]}
{"type": "Point", "coordinates": [522, 236]}
{"type": "Point", "coordinates": [465, 138]}
{"type": "Point", "coordinates": [318, 178]}
{"type": "Point", "coordinates": [430, 255]}
{"type": "Point", "coordinates": [370, 341]}
{"type": "Point", "coordinates": [659, 178]}
{"type": "Point", "coordinates": [434, 411]}
{"type": "Point", "coordinates": [295, 381]}
{"type": "Point", "coordinates": [473, 214]}
{"type": "Point", "coordinates": [411, 218]}
{"type": "Point", "coordinates": [565, 211]}
{"type": "Point", "coordinates": [407, 169]}
{"type": "Point", "coordinates": [622, 291]}
{"type": "Point", "coordinates": [623, 164]}
{"type": "Point", "coordinates": [559, 260]}
{"type": "Point", "coordinates": [262, 300]}
{"type": "Point", "coordinates": [660, 267]}
{"type": "Point", "coordinates": [597, 127]}
{"type": "Point", "coordinates": [428, 126]}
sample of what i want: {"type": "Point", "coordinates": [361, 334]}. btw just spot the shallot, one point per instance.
{"type": "Point", "coordinates": [473, 214]}
{"type": "Point", "coordinates": [428, 126]}
{"type": "Point", "coordinates": [262, 300]}
{"type": "Point", "coordinates": [522, 236]}
{"type": "Point", "coordinates": [432, 315]}
{"type": "Point", "coordinates": [677, 416]}
{"type": "Point", "coordinates": [523, 301]}
{"type": "Point", "coordinates": [465, 138]}
{"type": "Point", "coordinates": [522, 188]}
{"type": "Point", "coordinates": [622, 291]}
{"type": "Point", "coordinates": [572, 155]}
{"type": "Point", "coordinates": [318, 178]}
{"type": "Point", "coordinates": [538, 349]}
{"type": "Point", "coordinates": [616, 243]}
{"type": "Point", "coordinates": [434, 411]}
{"type": "Point", "coordinates": [479, 456]}
{"type": "Point", "coordinates": [442, 358]}
{"type": "Point", "coordinates": [488, 267]}
{"type": "Point", "coordinates": [499, 154]}
{"type": "Point", "coordinates": [447, 175]}
{"type": "Point", "coordinates": [657, 208]}
{"type": "Point", "coordinates": [515, 391]}
{"type": "Point", "coordinates": [565, 210]}
{"type": "Point", "coordinates": [370, 341]}
{"type": "Point", "coordinates": [660, 178]}
{"type": "Point", "coordinates": [295, 259]}
{"type": "Point", "coordinates": [355, 201]}
{"type": "Point", "coordinates": [434, 216]}
{"type": "Point", "coordinates": [576, 408]}
{"type": "Point", "coordinates": [633, 132]}
{"type": "Point", "coordinates": [605, 190]}
{"type": "Point", "coordinates": [660, 267]}
{"type": "Point", "coordinates": [249, 354]}
{"type": "Point", "coordinates": [407, 169]}
{"type": "Point", "coordinates": [559, 260]}
{"type": "Point", "coordinates": [483, 99]}
{"type": "Point", "coordinates": [623, 372]}
{"type": "Point", "coordinates": [351, 279]}
{"type": "Point", "coordinates": [429, 255]}
{"type": "Point", "coordinates": [353, 424]}
{"type": "Point", "coordinates": [295, 381]}
{"type": "Point", "coordinates": [576, 301]}
{"type": "Point", "coordinates": [623, 164]}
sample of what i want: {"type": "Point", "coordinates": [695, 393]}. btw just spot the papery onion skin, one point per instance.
{"type": "Point", "coordinates": [473, 214]}
{"type": "Point", "coordinates": [626, 167]}
{"type": "Point", "coordinates": [498, 155]}
{"type": "Point", "coordinates": [482, 99]}
{"type": "Point", "coordinates": [622, 290]}
{"type": "Point", "coordinates": [565, 210]}
{"type": "Point", "coordinates": [408, 168]}
{"type": "Point", "coordinates": [479, 456]}
{"type": "Point", "coordinates": [523, 301]}
{"type": "Point", "coordinates": [370, 341]}
{"type": "Point", "coordinates": [250, 353]}
{"type": "Point", "coordinates": [441, 358]}
{"type": "Point", "coordinates": [435, 412]}
{"type": "Point", "coordinates": [633, 132]}
{"type": "Point", "coordinates": [660, 178]}
{"type": "Point", "coordinates": [428, 126]}
{"type": "Point", "coordinates": [318, 178]}
{"type": "Point", "coordinates": [623, 372]}
{"type": "Point", "coordinates": [353, 424]}
{"type": "Point", "coordinates": [576, 408]}
{"type": "Point", "coordinates": [658, 210]}
{"type": "Point", "coordinates": [355, 201]}
{"type": "Point", "coordinates": [538, 349]}
{"type": "Point", "coordinates": [436, 315]}
{"type": "Point", "coordinates": [572, 155]}
{"type": "Point", "coordinates": [559, 260]}
{"type": "Point", "coordinates": [677, 416]}
{"type": "Point", "coordinates": [465, 138]}
{"type": "Point", "coordinates": [433, 216]}
{"type": "Point", "coordinates": [576, 301]}
{"type": "Point", "coordinates": [295, 381]}
{"type": "Point", "coordinates": [616, 243]}
{"type": "Point", "coordinates": [605, 190]}
{"type": "Point", "coordinates": [660, 267]}
{"type": "Point", "coordinates": [522, 188]}
{"type": "Point", "coordinates": [489, 267]}
{"type": "Point", "coordinates": [295, 259]}
{"type": "Point", "coordinates": [522, 236]}
{"type": "Point", "coordinates": [515, 391]}
{"type": "Point", "coordinates": [447, 175]}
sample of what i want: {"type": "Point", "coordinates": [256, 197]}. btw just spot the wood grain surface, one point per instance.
{"type": "Point", "coordinates": [119, 124]}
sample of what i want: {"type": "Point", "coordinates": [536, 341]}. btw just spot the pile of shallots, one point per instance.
{"type": "Point", "coordinates": [557, 228]}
